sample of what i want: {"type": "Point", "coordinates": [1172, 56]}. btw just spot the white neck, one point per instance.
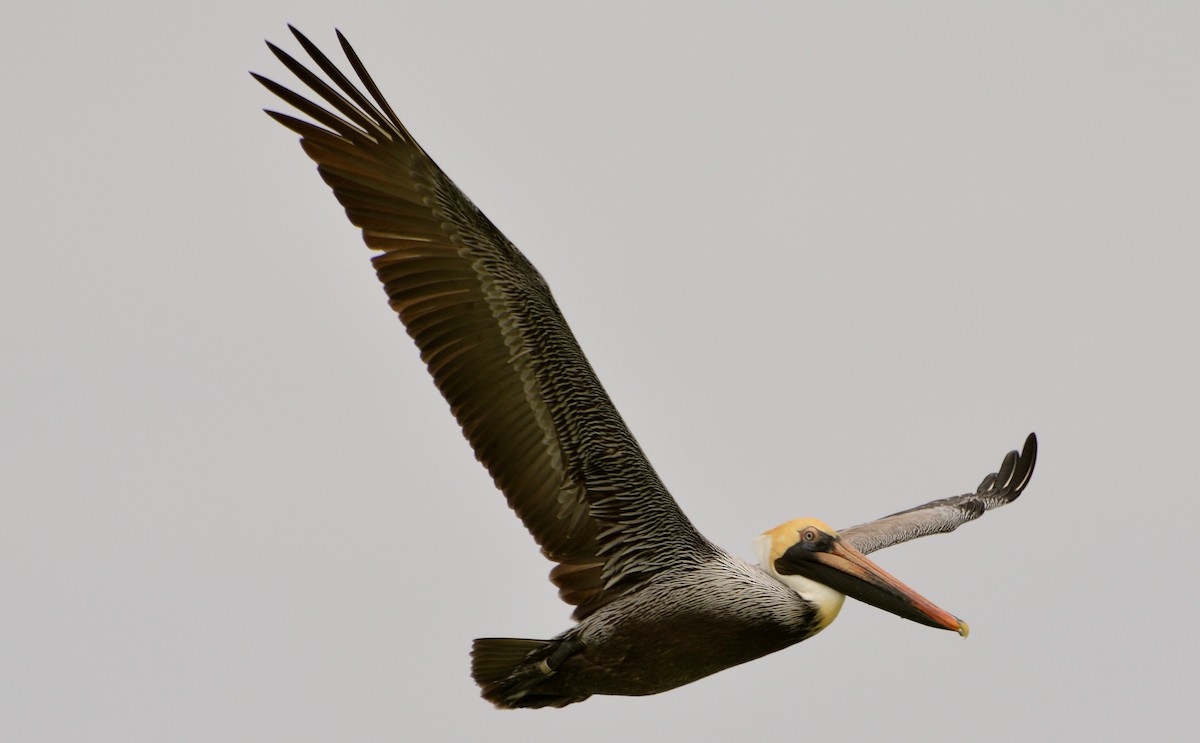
{"type": "Point", "coordinates": [828, 601]}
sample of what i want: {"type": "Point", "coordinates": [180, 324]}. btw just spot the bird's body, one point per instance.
{"type": "Point", "coordinates": [657, 604]}
{"type": "Point", "coordinates": [683, 624]}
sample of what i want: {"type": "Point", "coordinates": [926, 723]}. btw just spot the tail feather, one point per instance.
{"type": "Point", "coordinates": [495, 658]}
{"type": "Point", "coordinates": [508, 669]}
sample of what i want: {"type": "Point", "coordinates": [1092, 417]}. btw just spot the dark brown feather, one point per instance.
{"type": "Point", "coordinates": [497, 346]}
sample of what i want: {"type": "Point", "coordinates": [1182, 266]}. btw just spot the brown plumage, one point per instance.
{"type": "Point", "coordinates": [657, 604]}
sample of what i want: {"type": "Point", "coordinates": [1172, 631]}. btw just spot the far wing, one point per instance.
{"type": "Point", "coordinates": [948, 514]}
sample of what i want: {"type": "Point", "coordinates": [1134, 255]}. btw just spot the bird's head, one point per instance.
{"type": "Point", "coordinates": [809, 557]}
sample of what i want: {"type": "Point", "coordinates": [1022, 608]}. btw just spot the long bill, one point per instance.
{"type": "Point", "coordinates": [848, 571]}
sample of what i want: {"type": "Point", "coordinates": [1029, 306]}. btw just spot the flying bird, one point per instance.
{"type": "Point", "coordinates": [657, 605]}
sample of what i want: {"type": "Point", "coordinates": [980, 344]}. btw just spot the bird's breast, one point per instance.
{"type": "Point", "coordinates": [686, 626]}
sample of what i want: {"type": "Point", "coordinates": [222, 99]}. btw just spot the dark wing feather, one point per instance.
{"type": "Point", "coordinates": [948, 514]}
{"type": "Point", "coordinates": [496, 345]}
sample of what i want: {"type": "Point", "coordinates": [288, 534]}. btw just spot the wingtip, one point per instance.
{"type": "Point", "coordinates": [1028, 460]}
{"type": "Point", "coordinates": [280, 54]}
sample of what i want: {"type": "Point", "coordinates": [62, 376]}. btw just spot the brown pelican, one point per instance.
{"type": "Point", "coordinates": [657, 605]}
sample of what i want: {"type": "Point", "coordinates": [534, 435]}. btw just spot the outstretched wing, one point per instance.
{"type": "Point", "coordinates": [496, 345]}
{"type": "Point", "coordinates": [948, 514]}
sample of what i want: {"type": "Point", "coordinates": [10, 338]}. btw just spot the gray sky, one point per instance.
{"type": "Point", "coordinates": [828, 261]}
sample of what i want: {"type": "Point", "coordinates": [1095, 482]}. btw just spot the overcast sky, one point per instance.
{"type": "Point", "coordinates": [829, 261]}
